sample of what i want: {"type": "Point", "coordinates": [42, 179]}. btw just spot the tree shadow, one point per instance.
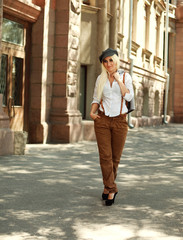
{"type": "Point", "coordinates": [54, 191]}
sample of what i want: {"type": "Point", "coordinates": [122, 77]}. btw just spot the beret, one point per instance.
{"type": "Point", "coordinates": [108, 52]}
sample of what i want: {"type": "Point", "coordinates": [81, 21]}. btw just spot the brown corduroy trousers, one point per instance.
{"type": "Point", "coordinates": [111, 135]}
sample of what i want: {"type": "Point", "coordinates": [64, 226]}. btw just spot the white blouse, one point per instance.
{"type": "Point", "coordinates": [112, 97]}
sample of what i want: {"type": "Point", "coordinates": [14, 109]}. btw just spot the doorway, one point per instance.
{"type": "Point", "coordinates": [13, 79]}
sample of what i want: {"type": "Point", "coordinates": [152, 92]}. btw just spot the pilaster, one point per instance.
{"type": "Point", "coordinates": [102, 30]}
{"type": "Point", "coordinates": [65, 117]}
{"type": "Point", "coordinates": [113, 26]}
{"type": "Point", "coordinates": [41, 78]}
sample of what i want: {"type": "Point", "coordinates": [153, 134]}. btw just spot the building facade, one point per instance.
{"type": "Point", "coordinates": [49, 62]}
{"type": "Point", "coordinates": [177, 88]}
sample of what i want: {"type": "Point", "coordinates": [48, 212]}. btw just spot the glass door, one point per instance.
{"type": "Point", "coordinates": [12, 80]}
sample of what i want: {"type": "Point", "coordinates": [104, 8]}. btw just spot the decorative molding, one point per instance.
{"type": "Point", "coordinates": [89, 8]}
{"type": "Point", "coordinates": [135, 47]}
{"type": "Point", "coordinates": [146, 55]}
{"type": "Point", "coordinates": [148, 2]}
{"type": "Point", "coordinates": [172, 9]}
{"type": "Point", "coordinates": [120, 36]}
{"type": "Point", "coordinates": [23, 10]}
{"type": "Point", "coordinates": [75, 7]}
{"type": "Point", "coordinates": [160, 4]}
{"type": "Point", "coordinates": [40, 3]}
{"type": "Point", "coordinates": [109, 16]}
{"type": "Point", "coordinates": [157, 61]}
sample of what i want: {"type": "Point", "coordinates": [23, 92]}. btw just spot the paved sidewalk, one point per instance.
{"type": "Point", "coordinates": [54, 191]}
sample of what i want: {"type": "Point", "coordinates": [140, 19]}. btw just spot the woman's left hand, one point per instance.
{"type": "Point", "coordinates": [116, 76]}
{"type": "Point", "coordinates": [122, 86]}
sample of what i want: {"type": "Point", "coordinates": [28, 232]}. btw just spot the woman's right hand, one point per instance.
{"type": "Point", "coordinates": [94, 116]}
{"type": "Point", "coordinates": [93, 111]}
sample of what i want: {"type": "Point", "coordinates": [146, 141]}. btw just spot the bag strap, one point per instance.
{"type": "Point", "coordinates": [124, 83]}
{"type": "Point", "coordinates": [122, 96]}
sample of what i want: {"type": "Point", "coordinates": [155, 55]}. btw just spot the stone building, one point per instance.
{"type": "Point", "coordinates": [49, 62]}
{"type": "Point", "coordinates": [177, 87]}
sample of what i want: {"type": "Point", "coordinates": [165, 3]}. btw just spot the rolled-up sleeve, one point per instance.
{"type": "Point", "coordinates": [128, 83]}
{"type": "Point", "coordinates": [95, 99]}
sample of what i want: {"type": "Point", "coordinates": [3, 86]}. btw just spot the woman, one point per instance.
{"type": "Point", "coordinates": [109, 114]}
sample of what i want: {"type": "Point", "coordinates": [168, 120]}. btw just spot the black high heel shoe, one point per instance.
{"type": "Point", "coordinates": [105, 196]}
{"type": "Point", "coordinates": [109, 202]}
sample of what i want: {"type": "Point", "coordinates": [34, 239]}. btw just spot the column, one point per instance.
{"type": "Point", "coordinates": [41, 77]}
{"type": "Point", "coordinates": [65, 117]}
{"type": "Point", "coordinates": [113, 26]}
{"type": "Point", "coordinates": [102, 30]}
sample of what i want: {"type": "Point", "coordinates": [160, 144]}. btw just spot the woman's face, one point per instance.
{"type": "Point", "coordinates": [110, 66]}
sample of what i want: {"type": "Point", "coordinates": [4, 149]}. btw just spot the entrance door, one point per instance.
{"type": "Point", "coordinates": [12, 81]}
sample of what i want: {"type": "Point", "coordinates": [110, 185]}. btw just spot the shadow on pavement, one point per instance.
{"type": "Point", "coordinates": [54, 191]}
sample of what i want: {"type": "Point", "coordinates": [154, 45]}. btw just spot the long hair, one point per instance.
{"type": "Point", "coordinates": [104, 76]}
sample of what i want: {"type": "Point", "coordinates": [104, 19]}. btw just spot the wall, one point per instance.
{"type": "Point", "coordinates": [178, 86]}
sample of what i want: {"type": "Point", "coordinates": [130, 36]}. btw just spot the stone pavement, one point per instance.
{"type": "Point", "coordinates": [54, 191]}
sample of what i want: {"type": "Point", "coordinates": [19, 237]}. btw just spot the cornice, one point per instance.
{"type": "Point", "coordinates": [22, 9]}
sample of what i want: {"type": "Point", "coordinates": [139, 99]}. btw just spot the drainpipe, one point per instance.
{"type": "Point", "coordinates": [166, 62]}
{"type": "Point", "coordinates": [129, 53]}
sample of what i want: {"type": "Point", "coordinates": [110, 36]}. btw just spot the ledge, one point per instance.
{"type": "Point", "coordinates": [89, 8]}
{"type": "Point", "coordinates": [157, 61]}
{"type": "Point", "coordinates": [135, 47]}
{"type": "Point", "coordinates": [22, 9]}
{"type": "Point", "coordinates": [146, 55]}
{"type": "Point", "coordinates": [160, 4]}
{"type": "Point", "coordinates": [120, 36]}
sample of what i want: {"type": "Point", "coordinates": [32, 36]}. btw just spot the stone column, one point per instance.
{"type": "Point", "coordinates": [113, 26]}
{"type": "Point", "coordinates": [35, 127]}
{"type": "Point", "coordinates": [47, 66]}
{"type": "Point", "coordinates": [41, 78]}
{"type": "Point", "coordinates": [102, 30]}
{"type": "Point", "coordinates": [65, 117]}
